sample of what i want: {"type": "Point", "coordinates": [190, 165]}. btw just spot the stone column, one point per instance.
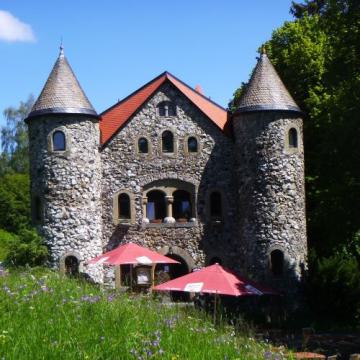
{"type": "Point", "coordinates": [169, 210]}
{"type": "Point", "coordinates": [145, 218]}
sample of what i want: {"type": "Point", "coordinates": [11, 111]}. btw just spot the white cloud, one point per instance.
{"type": "Point", "coordinates": [12, 29]}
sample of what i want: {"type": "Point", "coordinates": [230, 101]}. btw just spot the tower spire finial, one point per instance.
{"type": "Point", "coordinates": [61, 47]}
{"type": "Point", "coordinates": [263, 50]}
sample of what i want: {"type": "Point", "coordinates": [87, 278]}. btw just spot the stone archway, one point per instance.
{"type": "Point", "coordinates": [185, 266]}
{"type": "Point", "coordinates": [177, 251]}
{"type": "Point", "coordinates": [70, 264]}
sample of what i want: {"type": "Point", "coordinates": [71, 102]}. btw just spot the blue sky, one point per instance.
{"type": "Point", "coordinates": [115, 47]}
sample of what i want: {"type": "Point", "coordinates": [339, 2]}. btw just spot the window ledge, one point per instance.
{"type": "Point", "coordinates": [124, 223]}
{"type": "Point", "coordinates": [170, 225]}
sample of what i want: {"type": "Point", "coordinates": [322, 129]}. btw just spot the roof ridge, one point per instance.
{"type": "Point", "coordinates": [197, 93]}
{"type": "Point", "coordinates": [133, 93]}
{"type": "Point", "coordinates": [113, 118]}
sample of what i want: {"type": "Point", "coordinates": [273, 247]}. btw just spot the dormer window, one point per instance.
{"type": "Point", "coordinates": [166, 108]}
{"type": "Point", "coordinates": [59, 141]}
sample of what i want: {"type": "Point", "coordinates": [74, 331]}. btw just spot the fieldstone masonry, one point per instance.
{"type": "Point", "coordinates": [69, 186]}
{"type": "Point", "coordinates": [271, 194]}
{"type": "Point", "coordinates": [209, 169]}
{"type": "Point", "coordinates": [251, 163]}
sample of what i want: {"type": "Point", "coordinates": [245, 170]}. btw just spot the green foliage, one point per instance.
{"type": "Point", "coordinates": [14, 202]}
{"type": "Point", "coordinates": [26, 248]}
{"type": "Point", "coordinates": [310, 7]}
{"type": "Point", "coordinates": [234, 103]}
{"type": "Point", "coordinates": [14, 139]}
{"type": "Point", "coordinates": [19, 244]}
{"type": "Point", "coordinates": [334, 290]}
{"type": "Point", "coordinates": [317, 57]}
{"type": "Point", "coordinates": [5, 239]}
{"type": "Point", "coordinates": [44, 316]}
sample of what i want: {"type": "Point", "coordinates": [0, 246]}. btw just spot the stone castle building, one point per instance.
{"type": "Point", "coordinates": [169, 169]}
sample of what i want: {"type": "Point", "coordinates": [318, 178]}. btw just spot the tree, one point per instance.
{"type": "Point", "coordinates": [317, 57]}
{"type": "Point", "coordinates": [14, 202]}
{"type": "Point", "coordinates": [14, 139]}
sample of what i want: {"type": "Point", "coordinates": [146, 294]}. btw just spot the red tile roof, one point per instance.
{"type": "Point", "coordinates": [114, 118]}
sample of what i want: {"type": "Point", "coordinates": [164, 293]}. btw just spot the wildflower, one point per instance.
{"type": "Point", "coordinates": [267, 355]}
{"type": "Point", "coordinates": [102, 338]}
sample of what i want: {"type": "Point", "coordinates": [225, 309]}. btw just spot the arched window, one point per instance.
{"type": "Point", "coordinates": [215, 204]}
{"type": "Point", "coordinates": [143, 145]}
{"type": "Point", "coordinates": [277, 262]}
{"type": "Point", "coordinates": [182, 209]}
{"type": "Point", "coordinates": [59, 141]}
{"type": "Point", "coordinates": [124, 206]}
{"type": "Point", "coordinates": [192, 144]}
{"type": "Point", "coordinates": [156, 206]}
{"type": "Point", "coordinates": [166, 108]}
{"type": "Point", "coordinates": [167, 142]}
{"type": "Point", "coordinates": [293, 138]}
{"type": "Point", "coordinates": [71, 265]}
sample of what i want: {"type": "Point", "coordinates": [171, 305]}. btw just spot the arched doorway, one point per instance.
{"type": "Point", "coordinates": [71, 265]}
{"type": "Point", "coordinates": [175, 271]}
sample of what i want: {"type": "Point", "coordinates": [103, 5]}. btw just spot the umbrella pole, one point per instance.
{"type": "Point", "coordinates": [153, 275]}
{"type": "Point", "coordinates": [215, 301]}
{"type": "Point", "coordinates": [118, 277]}
{"type": "Point", "coordinates": [131, 276]}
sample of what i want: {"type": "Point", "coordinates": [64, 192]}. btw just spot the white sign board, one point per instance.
{"type": "Point", "coordinates": [143, 276]}
{"type": "Point", "coordinates": [194, 287]}
{"type": "Point", "coordinates": [144, 260]}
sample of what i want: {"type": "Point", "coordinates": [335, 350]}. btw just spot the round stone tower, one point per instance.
{"type": "Point", "coordinates": [65, 171]}
{"type": "Point", "coordinates": [270, 170]}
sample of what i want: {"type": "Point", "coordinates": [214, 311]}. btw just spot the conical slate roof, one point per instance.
{"type": "Point", "coordinates": [266, 91]}
{"type": "Point", "coordinates": [62, 93]}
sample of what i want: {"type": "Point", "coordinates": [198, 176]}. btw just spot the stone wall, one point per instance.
{"type": "Point", "coordinates": [271, 195]}
{"type": "Point", "coordinates": [68, 186]}
{"type": "Point", "coordinates": [212, 168]}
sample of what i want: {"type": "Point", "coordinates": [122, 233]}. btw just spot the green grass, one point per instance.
{"type": "Point", "coordinates": [46, 316]}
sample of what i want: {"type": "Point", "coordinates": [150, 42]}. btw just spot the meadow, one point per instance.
{"type": "Point", "coordinates": [47, 316]}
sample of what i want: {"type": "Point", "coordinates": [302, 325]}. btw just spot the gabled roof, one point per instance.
{"type": "Point", "coordinates": [116, 116]}
{"type": "Point", "coordinates": [266, 91]}
{"type": "Point", "coordinates": [62, 93]}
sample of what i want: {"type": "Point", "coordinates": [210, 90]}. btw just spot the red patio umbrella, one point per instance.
{"type": "Point", "coordinates": [131, 254]}
{"type": "Point", "coordinates": [215, 279]}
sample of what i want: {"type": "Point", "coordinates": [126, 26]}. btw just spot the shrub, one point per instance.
{"type": "Point", "coordinates": [334, 289]}
{"type": "Point", "coordinates": [27, 248]}
{"type": "Point", "coordinates": [14, 202]}
{"type": "Point", "coordinates": [5, 239]}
